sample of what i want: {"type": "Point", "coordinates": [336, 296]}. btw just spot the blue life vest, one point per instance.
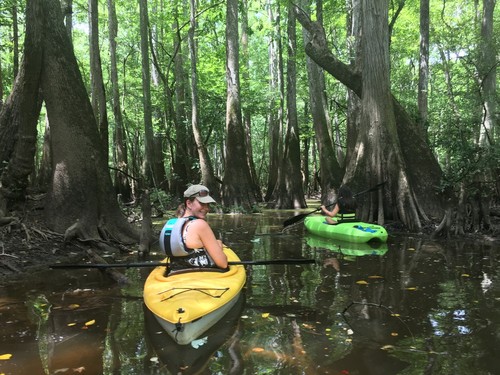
{"type": "Point", "coordinates": [182, 257]}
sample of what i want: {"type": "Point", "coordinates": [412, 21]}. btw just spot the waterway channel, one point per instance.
{"type": "Point", "coordinates": [411, 306]}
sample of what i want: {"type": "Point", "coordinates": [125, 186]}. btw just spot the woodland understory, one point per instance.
{"type": "Point", "coordinates": [27, 245]}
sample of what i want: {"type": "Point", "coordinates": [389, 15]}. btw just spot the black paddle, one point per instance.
{"type": "Point", "coordinates": [296, 219]}
{"type": "Point", "coordinates": [155, 264]}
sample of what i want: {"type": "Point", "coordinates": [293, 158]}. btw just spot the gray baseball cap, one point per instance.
{"type": "Point", "coordinates": [201, 193]}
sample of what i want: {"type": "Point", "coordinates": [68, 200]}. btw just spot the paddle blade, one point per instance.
{"type": "Point", "coordinates": [294, 219]}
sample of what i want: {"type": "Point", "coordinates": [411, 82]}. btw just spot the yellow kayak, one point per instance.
{"type": "Point", "coordinates": [189, 303]}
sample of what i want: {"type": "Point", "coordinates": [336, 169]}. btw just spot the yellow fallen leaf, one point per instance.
{"type": "Point", "coordinates": [265, 315]}
{"type": "Point", "coordinates": [394, 334]}
{"type": "Point", "coordinates": [465, 275]}
{"type": "Point", "coordinates": [74, 306]}
{"type": "Point", "coordinates": [375, 277]}
{"type": "Point", "coordinates": [90, 322]}
{"type": "Point", "coordinates": [361, 282]}
{"type": "Point", "coordinates": [387, 347]}
{"type": "Point", "coordinates": [395, 314]}
{"type": "Point", "coordinates": [71, 324]}
{"type": "Point", "coordinates": [4, 357]}
{"type": "Point", "coordinates": [257, 350]}
{"type": "Point", "coordinates": [411, 288]}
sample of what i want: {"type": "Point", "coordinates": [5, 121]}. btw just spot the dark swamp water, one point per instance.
{"type": "Point", "coordinates": [411, 306]}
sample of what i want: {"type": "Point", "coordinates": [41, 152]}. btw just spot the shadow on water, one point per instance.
{"type": "Point", "coordinates": [410, 306]}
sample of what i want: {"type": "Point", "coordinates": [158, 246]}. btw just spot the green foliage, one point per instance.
{"type": "Point", "coordinates": [455, 101]}
{"type": "Point", "coordinates": [162, 200]}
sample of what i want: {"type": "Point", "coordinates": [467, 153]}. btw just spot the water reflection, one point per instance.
{"type": "Point", "coordinates": [194, 358]}
{"type": "Point", "coordinates": [411, 307]}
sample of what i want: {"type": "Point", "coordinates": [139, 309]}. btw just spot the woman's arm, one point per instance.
{"type": "Point", "coordinates": [206, 239]}
{"type": "Point", "coordinates": [330, 213]}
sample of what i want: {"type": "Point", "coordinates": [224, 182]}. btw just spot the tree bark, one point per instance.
{"type": "Point", "coordinates": [488, 67]}
{"type": "Point", "coordinates": [237, 187]}
{"type": "Point", "coordinates": [19, 114]}
{"type": "Point", "coordinates": [149, 159]}
{"type": "Point", "coordinates": [207, 171]}
{"type": "Point", "coordinates": [247, 118]}
{"type": "Point", "coordinates": [330, 170]}
{"type": "Point", "coordinates": [423, 69]}
{"type": "Point", "coordinates": [97, 82]}
{"type": "Point", "coordinates": [289, 192]}
{"type": "Point", "coordinates": [275, 111]}
{"type": "Point", "coordinates": [422, 169]}
{"type": "Point", "coordinates": [122, 182]}
{"type": "Point", "coordinates": [81, 191]}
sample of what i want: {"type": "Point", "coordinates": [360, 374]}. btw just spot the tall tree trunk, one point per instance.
{"type": "Point", "coordinates": [423, 71]}
{"type": "Point", "coordinates": [330, 171]}
{"type": "Point", "coordinates": [15, 39]}
{"type": "Point", "coordinates": [183, 156]}
{"type": "Point", "coordinates": [353, 100]}
{"type": "Point", "coordinates": [275, 110]}
{"type": "Point", "coordinates": [237, 187]}
{"type": "Point", "coordinates": [122, 182]}
{"type": "Point", "coordinates": [488, 67]}
{"type": "Point", "coordinates": [247, 118]}
{"type": "Point", "coordinates": [421, 182]}
{"type": "Point", "coordinates": [97, 83]}
{"type": "Point", "coordinates": [207, 171]}
{"type": "Point", "coordinates": [1, 86]}
{"type": "Point", "coordinates": [67, 9]}
{"type": "Point", "coordinates": [19, 114]}
{"type": "Point", "coordinates": [289, 192]}
{"type": "Point", "coordinates": [149, 159]}
{"type": "Point", "coordinates": [81, 201]}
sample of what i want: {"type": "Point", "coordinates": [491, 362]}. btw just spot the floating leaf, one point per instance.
{"type": "Point", "coordinates": [71, 324]}
{"type": "Point", "coordinates": [394, 334]}
{"type": "Point", "coordinates": [265, 315]}
{"type": "Point", "coordinates": [4, 357]}
{"type": "Point", "coordinates": [375, 277]}
{"type": "Point", "coordinates": [361, 282]}
{"type": "Point", "coordinates": [411, 288]}
{"type": "Point", "coordinates": [465, 275]}
{"type": "Point", "coordinates": [410, 249]}
{"type": "Point", "coordinates": [74, 306]}
{"type": "Point", "coordinates": [90, 322]}
{"type": "Point", "coordinates": [257, 350]}
{"type": "Point", "coordinates": [387, 347]}
{"type": "Point", "coordinates": [200, 342]}
{"type": "Point", "coordinates": [395, 314]}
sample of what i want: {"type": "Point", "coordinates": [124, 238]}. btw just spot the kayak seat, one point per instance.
{"type": "Point", "coordinates": [194, 269]}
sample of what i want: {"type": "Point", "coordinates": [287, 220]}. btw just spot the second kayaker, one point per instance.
{"type": "Point", "coordinates": [344, 210]}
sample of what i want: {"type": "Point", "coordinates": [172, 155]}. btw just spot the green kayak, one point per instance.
{"type": "Point", "coordinates": [354, 249]}
{"type": "Point", "coordinates": [352, 232]}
